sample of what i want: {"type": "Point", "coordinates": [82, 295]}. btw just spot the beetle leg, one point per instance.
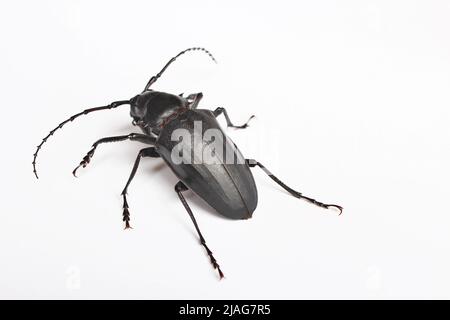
{"type": "Point", "coordinates": [194, 99]}
{"type": "Point", "coordinates": [220, 110]}
{"type": "Point", "coordinates": [179, 188]}
{"type": "Point", "coordinates": [132, 136]}
{"type": "Point", "coordinates": [147, 152]}
{"type": "Point", "coordinates": [252, 163]}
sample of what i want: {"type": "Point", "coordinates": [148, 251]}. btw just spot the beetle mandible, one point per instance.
{"type": "Point", "coordinates": [228, 187]}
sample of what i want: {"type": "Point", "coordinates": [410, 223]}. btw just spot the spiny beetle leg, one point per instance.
{"type": "Point", "coordinates": [252, 163]}
{"type": "Point", "coordinates": [179, 188]}
{"type": "Point", "coordinates": [132, 136]}
{"type": "Point", "coordinates": [147, 152]}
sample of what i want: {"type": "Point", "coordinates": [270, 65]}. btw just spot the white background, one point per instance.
{"type": "Point", "coordinates": [352, 104]}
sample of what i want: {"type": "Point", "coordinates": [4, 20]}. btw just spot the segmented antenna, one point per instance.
{"type": "Point", "coordinates": [154, 78]}
{"type": "Point", "coordinates": [110, 106]}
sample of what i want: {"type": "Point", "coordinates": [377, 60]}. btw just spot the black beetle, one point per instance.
{"type": "Point", "coordinates": [227, 186]}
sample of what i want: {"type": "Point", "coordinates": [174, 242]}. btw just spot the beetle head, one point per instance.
{"type": "Point", "coordinates": [138, 109]}
{"type": "Point", "coordinates": [150, 109]}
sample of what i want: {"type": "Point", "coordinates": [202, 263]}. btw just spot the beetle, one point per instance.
{"type": "Point", "coordinates": [227, 186]}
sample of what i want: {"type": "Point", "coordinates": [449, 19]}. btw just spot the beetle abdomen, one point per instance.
{"type": "Point", "coordinates": [223, 180]}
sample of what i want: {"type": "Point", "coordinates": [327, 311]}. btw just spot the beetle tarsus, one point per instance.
{"type": "Point", "coordinates": [213, 260]}
{"type": "Point", "coordinates": [126, 212]}
{"type": "Point", "coordinates": [87, 158]}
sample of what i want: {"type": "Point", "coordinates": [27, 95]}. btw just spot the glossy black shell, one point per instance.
{"type": "Point", "coordinates": [228, 188]}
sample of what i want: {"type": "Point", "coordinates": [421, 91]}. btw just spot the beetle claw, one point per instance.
{"type": "Point", "coordinates": [74, 172]}
{"type": "Point", "coordinates": [87, 158]}
{"type": "Point", "coordinates": [221, 275]}
{"type": "Point", "coordinates": [335, 206]}
{"type": "Point", "coordinates": [82, 164]}
{"type": "Point", "coordinates": [245, 125]}
{"type": "Point", "coordinates": [127, 225]}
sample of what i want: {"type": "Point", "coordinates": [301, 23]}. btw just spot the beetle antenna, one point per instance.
{"type": "Point", "coordinates": [113, 105]}
{"type": "Point", "coordinates": [154, 78]}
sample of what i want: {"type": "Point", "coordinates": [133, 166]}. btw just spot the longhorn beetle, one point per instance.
{"type": "Point", "coordinates": [227, 186]}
